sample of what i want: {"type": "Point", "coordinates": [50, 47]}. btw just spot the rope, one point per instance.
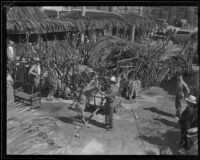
{"type": "Point", "coordinates": [134, 116]}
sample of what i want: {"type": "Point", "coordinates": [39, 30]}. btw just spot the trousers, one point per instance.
{"type": "Point", "coordinates": [109, 108]}
{"type": "Point", "coordinates": [178, 106]}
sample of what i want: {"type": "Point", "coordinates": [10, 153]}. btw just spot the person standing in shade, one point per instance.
{"type": "Point", "coordinates": [35, 72]}
{"type": "Point", "coordinates": [189, 119]}
{"type": "Point", "coordinates": [110, 104]}
{"type": "Point", "coordinates": [53, 77]}
{"type": "Point", "coordinates": [59, 79]}
{"type": "Point", "coordinates": [10, 83]}
{"type": "Point", "coordinates": [182, 91]}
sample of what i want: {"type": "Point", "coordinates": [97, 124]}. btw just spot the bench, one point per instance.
{"type": "Point", "coordinates": [19, 94]}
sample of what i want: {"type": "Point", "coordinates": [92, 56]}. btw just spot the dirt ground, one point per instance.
{"type": "Point", "coordinates": [155, 130]}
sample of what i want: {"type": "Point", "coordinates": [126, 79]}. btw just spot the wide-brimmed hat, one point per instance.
{"type": "Point", "coordinates": [191, 99]}
{"type": "Point", "coordinates": [192, 132]}
{"type": "Point", "coordinates": [113, 79]}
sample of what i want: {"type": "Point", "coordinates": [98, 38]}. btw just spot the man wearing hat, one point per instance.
{"type": "Point", "coordinates": [35, 72]}
{"type": "Point", "coordinates": [110, 104]}
{"type": "Point", "coordinates": [10, 51]}
{"type": "Point", "coordinates": [188, 119]}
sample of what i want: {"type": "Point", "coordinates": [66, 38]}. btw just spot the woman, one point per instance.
{"type": "Point", "coordinates": [10, 92]}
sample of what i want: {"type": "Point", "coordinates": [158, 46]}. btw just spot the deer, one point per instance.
{"type": "Point", "coordinates": [84, 97]}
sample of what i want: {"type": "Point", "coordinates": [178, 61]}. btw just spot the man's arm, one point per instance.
{"type": "Point", "coordinates": [31, 71]}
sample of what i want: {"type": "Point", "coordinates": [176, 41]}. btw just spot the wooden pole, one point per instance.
{"type": "Point", "coordinates": [83, 15]}
{"type": "Point", "coordinates": [133, 34]}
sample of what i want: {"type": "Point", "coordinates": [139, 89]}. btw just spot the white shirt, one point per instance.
{"type": "Point", "coordinates": [10, 52]}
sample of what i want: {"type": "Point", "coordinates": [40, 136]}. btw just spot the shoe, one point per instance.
{"type": "Point", "coordinates": [182, 151]}
{"type": "Point", "coordinates": [177, 118]}
{"type": "Point", "coordinates": [107, 127]}
{"type": "Point", "coordinates": [110, 128]}
{"type": "Point", "coordinates": [181, 144]}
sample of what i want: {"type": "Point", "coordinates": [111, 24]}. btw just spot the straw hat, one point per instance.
{"type": "Point", "coordinates": [192, 132]}
{"type": "Point", "coordinates": [191, 99]}
{"type": "Point", "coordinates": [112, 79]}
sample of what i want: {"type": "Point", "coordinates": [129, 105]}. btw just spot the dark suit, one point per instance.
{"type": "Point", "coordinates": [187, 121]}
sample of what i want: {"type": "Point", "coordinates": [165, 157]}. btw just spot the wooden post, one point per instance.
{"type": "Point", "coordinates": [133, 34]}
{"type": "Point", "coordinates": [83, 14]}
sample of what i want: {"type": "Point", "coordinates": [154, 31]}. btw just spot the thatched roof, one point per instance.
{"type": "Point", "coordinates": [90, 14]}
{"type": "Point", "coordinates": [30, 20]}
{"type": "Point", "coordinates": [138, 21]}
{"type": "Point", "coordinates": [25, 13]}
{"type": "Point", "coordinates": [38, 26]}
{"type": "Point", "coordinates": [95, 19]}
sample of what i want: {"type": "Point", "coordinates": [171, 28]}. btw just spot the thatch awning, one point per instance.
{"type": "Point", "coordinates": [26, 13]}
{"type": "Point", "coordinates": [31, 20]}
{"type": "Point", "coordinates": [38, 26]}
{"type": "Point", "coordinates": [137, 20]}
{"type": "Point", "coordinates": [95, 19]}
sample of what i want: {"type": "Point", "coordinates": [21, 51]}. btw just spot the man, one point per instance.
{"type": "Point", "coordinates": [10, 51]}
{"type": "Point", "coordinates": [188, 120]}
{"type": "Point", "coordinates": [53, 77]}
{"type": "Point", "coordinates": [182, 91]}
{"type": "Point", "coordinates": [11, 56]}
{"type": "Point", "coordinates": [10, 82]}
{"type": "Point", "coordinates": [110, 103]}
{"type": "Point", "coordinates": [35, 73]}
{"type": "Point", "coordinates": [59, 79]}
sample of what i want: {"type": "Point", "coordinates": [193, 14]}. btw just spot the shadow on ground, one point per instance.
{"type": "Point", "coordinates": [166, 122]}
{"type": "Point", "coordinates": [169, 139]}
{"type": "Point", "coordinates": [155, 110]}
{"type": "Point", "coordinates": [70, 120]}
{"type": "Point", "coordinates": [75, 119]}
{"type": "Point", "coordinates": [90, 109]}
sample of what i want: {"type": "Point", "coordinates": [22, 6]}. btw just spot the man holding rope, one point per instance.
{"type": "Point", "coordinates": [110, 104]}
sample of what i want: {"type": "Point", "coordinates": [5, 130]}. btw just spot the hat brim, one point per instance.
{"type": "Point", "coordinates": [192, 135]}
{"type": "Point", "coordinates": [188, 100]}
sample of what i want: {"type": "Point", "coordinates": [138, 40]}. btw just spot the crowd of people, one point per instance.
{"type": "Point", "coordinates": [34, 74]}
